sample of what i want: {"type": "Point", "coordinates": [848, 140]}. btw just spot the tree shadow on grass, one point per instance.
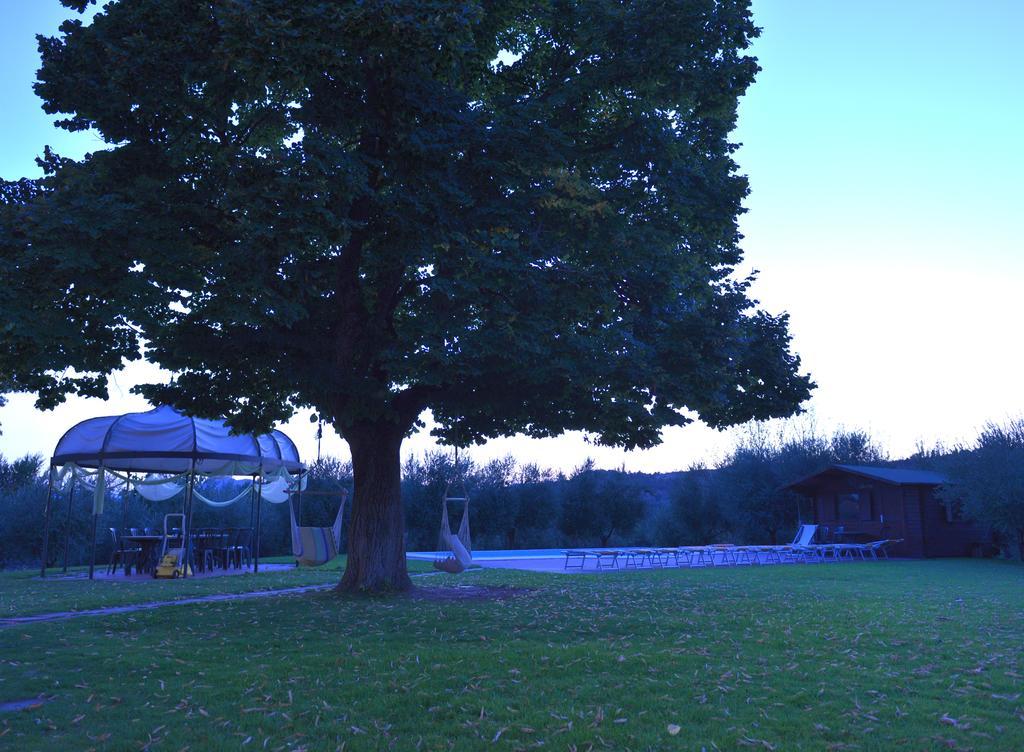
{"type": "Point", "coordinates": [468, 592]}
{"type": "Point", "coordinates": [443, 593]}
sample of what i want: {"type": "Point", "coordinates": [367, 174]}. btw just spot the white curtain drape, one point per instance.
{"type": "Point", "coordinates": [159, 491]}
{"type": "Point", "coordinates": [277, 486]}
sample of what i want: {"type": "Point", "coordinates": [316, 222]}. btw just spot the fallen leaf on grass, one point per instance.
{"type": "Point", "coordinates": [750, 742]}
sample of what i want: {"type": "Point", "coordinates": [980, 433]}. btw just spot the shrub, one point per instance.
{"type": "Point", "coordinates": [989, 481]}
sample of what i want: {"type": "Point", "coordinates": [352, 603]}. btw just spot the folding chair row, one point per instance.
{"type": "Point", "coordinates": [716, 555]}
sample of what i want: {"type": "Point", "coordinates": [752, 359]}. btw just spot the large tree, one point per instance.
{"type": "Point", "coordinates": [520, 215]}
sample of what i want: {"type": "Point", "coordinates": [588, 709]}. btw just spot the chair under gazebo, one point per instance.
{"type": "Point", "coordinates": [161, 453]}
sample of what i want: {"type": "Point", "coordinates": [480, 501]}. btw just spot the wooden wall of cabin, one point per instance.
{"type": "Point", "coordinates": [911, 513]}
{"type": "Point", "coordinates": [880, 513]}
{"type": "Point", "coordinates": [913, 524]}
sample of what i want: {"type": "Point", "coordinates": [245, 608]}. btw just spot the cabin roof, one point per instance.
{"type": "Point", "coordinates": [896, 476]}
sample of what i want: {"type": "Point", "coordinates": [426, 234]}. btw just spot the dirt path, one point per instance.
{"type": "Point", "coordinates": [14, 621]}
{"type": "Point", "coordinates": [58, 615]}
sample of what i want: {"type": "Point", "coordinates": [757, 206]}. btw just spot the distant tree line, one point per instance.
{"type": "Point", "coordinates": [740, 499]}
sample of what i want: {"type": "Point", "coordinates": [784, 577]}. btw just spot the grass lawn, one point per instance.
{"type": "Point", "coordinates": [23, 593]}
{"type": "Point", "coordinates": [915, 655]}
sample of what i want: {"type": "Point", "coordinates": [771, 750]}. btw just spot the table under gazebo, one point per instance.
{"type": "Point", "coordinates": [160, 454]}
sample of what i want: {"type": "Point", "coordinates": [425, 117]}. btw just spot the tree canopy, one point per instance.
{"type": "Point", "coordinates": [522, 216]}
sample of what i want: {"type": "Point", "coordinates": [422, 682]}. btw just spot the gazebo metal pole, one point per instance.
{"type": "Point", "coordinates": [259, 511]}
{"type": "Point", "coordinates": [100, 478]}
{"type": "Point", "coordinates": [92, 549]}
{"type": "Point", "coordinates": [187, 532]}
{"type": "Point", "coordinates": [184, 512]}
{"type": "Point", "coordinates": [252, 504]}
{"type": "Point", "coordinates": [46, 522]}
{"type": "Point", "coordinates": [67, 524]}
{"type": "Point", "coordinates": [252, 515]}
{"type": "Point", "coordinates": [124, 504]}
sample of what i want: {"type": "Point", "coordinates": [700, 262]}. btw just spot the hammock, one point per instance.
{"type": "Point", "coordinates": [313, 546]}
{"type": "Point", "coordinates": [459, 545]}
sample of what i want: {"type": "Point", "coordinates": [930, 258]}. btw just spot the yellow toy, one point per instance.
{"type": "Point", "coordinates": [172, 563]}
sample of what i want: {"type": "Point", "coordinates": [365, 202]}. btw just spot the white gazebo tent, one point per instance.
{"type": "Point", "coordinates": [166, 442]}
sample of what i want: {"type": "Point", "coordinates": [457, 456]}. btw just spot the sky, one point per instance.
{"type": "Point", "coordinates": [882, 144]}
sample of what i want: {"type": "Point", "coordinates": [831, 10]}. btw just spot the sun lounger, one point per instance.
{"type": "Point", "coordinates": [822, 552]}
{"type": "Point", "coordinates": [706, 556]}
{"type": "Point", "coordinates": [700, 556]}
{"type": "Point", "coordinates": [865, 551]}
{"type": "Point", "coordinates": [761, 554]}
{"type": "Point", "coordinates": [745, 555]}
{"type": "Point", "coordinates": [655, 557]}
{"type": "Point", "coordinates": [603, 558]}
{"type": "Point", "coordinates": [801, 550]}
{"type": "Point", "coordinates": [684, 555]}
{"type": "Point", "coordinates": [881, 547]}
{"type": "Point", "coordinates": [632, 559]}
{"type": "Point", "coordinates": [606, 558]}
{"type": "Point", "coordinates": [804, 535]}
{"type": "Point", "coordinates": [574, 554]}
{"type": "Point", "coordinates": [670, 556]}
{"type": "Point", "coordinates": [687, 556]}
{"type": "Point", "coordinates": [839, 551]}
{"type": "Point", "coordinates": [720, 554]}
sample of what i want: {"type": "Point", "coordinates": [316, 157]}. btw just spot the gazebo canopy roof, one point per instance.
{"type": "Point", "coordinates": [164, 440]}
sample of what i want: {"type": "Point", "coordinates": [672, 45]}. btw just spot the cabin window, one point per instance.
{"type": "Point", "coordinates": [954, 510]}
{"type": "Point", "coordinates": [849, 507]}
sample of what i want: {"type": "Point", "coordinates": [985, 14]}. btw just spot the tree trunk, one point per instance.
{"type": "Point", "coordinates": [376, 535]}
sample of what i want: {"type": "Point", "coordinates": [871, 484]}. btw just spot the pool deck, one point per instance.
{"type": "Point", "coordinates": [552, 564]}
{"type": "Point", "coordinates": [597, 561]}
{"type": "Point", "coordinates": [556, 564]}
{"type": "Point", "coordinates": [553, 561]}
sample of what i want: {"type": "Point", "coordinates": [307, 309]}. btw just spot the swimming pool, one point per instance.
{"type": "Point", "coordinates": [496, 555]}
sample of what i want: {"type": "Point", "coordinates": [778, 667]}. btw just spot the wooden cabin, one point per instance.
{"type": "Point", "coordinates": [861, 503]}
